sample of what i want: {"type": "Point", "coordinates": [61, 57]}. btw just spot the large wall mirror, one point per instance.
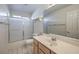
{"type": "Point", "coordinates": [64, 21]}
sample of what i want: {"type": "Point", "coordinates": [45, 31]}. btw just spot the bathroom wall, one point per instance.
{"type": "Point", "coordinates": [3, 28]}
{"type": "Point", "coordinates": [18, 13]}
{"type": "Point", "coordinates": [38, 27]}
{"type": "Point", "coordinates": [4, 8]}
{"type": "Point", "coordinates": [39, 11]}
{"type": "Point", "coordinates": [56, 21]}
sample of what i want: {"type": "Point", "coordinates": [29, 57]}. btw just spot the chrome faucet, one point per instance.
{"type": "Point", "coordinates": [53, 38]}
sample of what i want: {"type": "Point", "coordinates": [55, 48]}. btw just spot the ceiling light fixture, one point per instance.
{"type": "Point", "coordinates": [50, 5]}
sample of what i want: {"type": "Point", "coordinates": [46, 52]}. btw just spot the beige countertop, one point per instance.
{"type": "Point", "coordinates": [58, 46]}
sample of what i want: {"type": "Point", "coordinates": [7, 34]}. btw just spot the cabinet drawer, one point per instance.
{"type": "Point", "coordinates": [41, 52]}
{"type": "Point", "coordinates": [44, 49]}
{"type": "Point", "coordinates": [35, 42]}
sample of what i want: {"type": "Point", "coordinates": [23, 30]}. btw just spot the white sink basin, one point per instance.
{"type": "Point", "coordinates": [50, 41]}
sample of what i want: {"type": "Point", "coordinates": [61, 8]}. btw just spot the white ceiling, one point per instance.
{"type": "Point", "coordinates": [54, 8]}
{"type": "Point", "coordinates": [31, 8]}
{"type": "Point", "coordinates": [27, 8]}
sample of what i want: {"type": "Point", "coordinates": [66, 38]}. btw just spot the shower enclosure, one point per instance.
{"type": "Point", "coordinates": [20, 29]}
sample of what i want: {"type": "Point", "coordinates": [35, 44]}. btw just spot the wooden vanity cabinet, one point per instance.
{"type": "Point", "coordinates": [41, 52]}
{"type": "Point", "coordinates": [35, 46]}
{"type": "Point", "coordinates": [44, 49]}
{"type": "Point", "coordinates": [39, 48]}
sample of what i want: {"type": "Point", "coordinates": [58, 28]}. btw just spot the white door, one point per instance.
{"type": "Point", "coordinates": [3, 38]}
{"type": "Point", "coordinates": [71, 24]}
{"type": "Point", "coordinates": [28, 28]}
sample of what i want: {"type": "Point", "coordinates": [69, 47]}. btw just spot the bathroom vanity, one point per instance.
{"type": "Point", "coordinates": [44, 45]}
{"type": "Point", "coordinates": [39, 48]}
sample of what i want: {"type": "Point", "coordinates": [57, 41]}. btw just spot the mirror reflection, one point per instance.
{"type": "Point", "coordinates": [63, 20]}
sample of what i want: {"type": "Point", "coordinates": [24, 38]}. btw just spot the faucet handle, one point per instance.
{"type": "Point", "coordinates": [53, 38]}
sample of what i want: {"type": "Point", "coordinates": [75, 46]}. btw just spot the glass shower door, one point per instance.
{"type": "Point", "coordinates": [15, 29]}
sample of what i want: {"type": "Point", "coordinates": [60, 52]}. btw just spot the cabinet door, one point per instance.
{"type": "Point", "coordinates": [44, 49]}
{"type": "Point", "coordinates": [41, 52]}
{"type": "Point", "coordinates": [35, 49]}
